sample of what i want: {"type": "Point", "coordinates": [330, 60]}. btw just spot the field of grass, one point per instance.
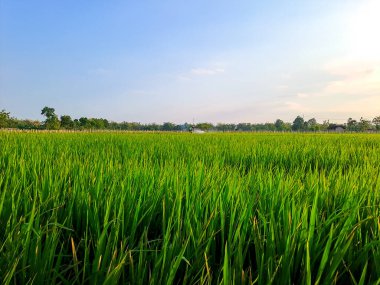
{"type": "Point", "coordinates": [160, 208]}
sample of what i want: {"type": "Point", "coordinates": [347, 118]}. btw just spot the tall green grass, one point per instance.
{"type": "Point", "coordinates": [189, 209]}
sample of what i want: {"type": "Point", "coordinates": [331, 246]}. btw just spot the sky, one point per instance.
{"type": "Point", "coordinates": [183, 61]}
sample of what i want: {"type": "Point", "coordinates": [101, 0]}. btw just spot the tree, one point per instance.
{"type": "Point", "coordinates": [52, 122]}
{"type": "Point", "coordinates": [364, 125]}
{"type": "Point", "coordinates": [376, 121]}
{"type": "Point", "coordinates": [324, 126]}
{"type": "Point", "coordinates": [204, 126]}
{"type": "Point", "coordinates": [98, 124]}
{"type": "Point", "coordinates": [152, 127]}
{"type": "Point", "coordinates": [226, 127]}
{"type": "Point", "coordinates": [298, 124]}
{"type": "Point", "coordinates": [28, 125]}
{"type": "Point", "coordinates": [84, 123]}
{"type": "Point", "coordinates": [269, 127]}
{"type": "Point", "coordinates": [244, 127]}
{"type": "Point", "coordinates": [352, 124]}
{"type": "Point", "coordinates": [4, 119]}
{"type": "Point", "coordinates": [76, 124]}
{"type": "Point", "coordinates": [312, 124]}
{"type": "Point", "coordinates": [48, 112]}
{"type": "Point", "coordinates": [280, 125]}
{"type": "Point", "coordinates": [167, 126]}
{"type": "Point", "coordinates": [287, 127]}
{"type": "Point", "coordinates": [66, 122]}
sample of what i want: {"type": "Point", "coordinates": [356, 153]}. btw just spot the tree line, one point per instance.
{"type": "Point", "coordinates": [65, 122]}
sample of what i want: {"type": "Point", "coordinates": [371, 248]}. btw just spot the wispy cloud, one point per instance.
{"type": "Point", "coordinates": [349, 68]}
{"type": "Point", "coordinates": [367, 106]}
{"type": "Point", "coordinates": [206, 71]}
{"type": "Point", "coordinates": [295, 106]}
{"type": "Point", "coordinates": [347, 87]}
{"type": "Point", "coordinates": [346, 79]}
{"type": "Point", "coordinates": [357, 78]}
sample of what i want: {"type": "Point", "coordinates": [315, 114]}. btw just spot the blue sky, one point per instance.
{"type": "Point", "coordinates": [215, 61]}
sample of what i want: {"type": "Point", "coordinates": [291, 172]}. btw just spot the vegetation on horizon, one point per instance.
{"type": "Point", "coordinates": [168, 208]}
{"type": "Point", "coordinates": [65, 122]}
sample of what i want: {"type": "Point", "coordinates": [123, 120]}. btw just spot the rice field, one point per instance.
{"type": "Point", "coordinates": [168, 208]}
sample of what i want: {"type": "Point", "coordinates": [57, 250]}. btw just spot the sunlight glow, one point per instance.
{"type": "Point", "coordinates": [363, 31]}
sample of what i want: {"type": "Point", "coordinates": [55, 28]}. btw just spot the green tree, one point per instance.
{"type": "Point", "coordinates": [269, 127]}
{"type": "Point", "coordinates": [28, 125]}
{"type": "Point", "coordinates": [48, 112]}
{"type": "Point", "coordinates": [324, 126]}
{"type": "Point", "coordinates": [312, 125]}
{"type": "Point", "coordinates": [52, 122]}
{"type": "Point", "coordinates": [244, 127]}
{"type": "Point", "coordinates": [66, 122]}
{"type": "Point", "coordinates": [84, 123]}
{"type": "Point", "coordinates": [4, 119]}
{"type": "Point", "coordinates": [298, 124]}
{"type": "Point", "coordinates": [364, 125]}
{"type": "Point", "coordinates": [76, 124]}
{"type": "Point", "coordinates": [168, 126]}
{"type": "Point", "coordinates": [280, 125]}
{"type": "Point", "coordinates": [98, 124]}
{"type": "Point", "coordinates": [376, 121]}
{"type": "Point", "coordinates": [352, 124]}
{"type": "Point", "coordinates": [288, 127]}
{"type": "Point", "coordinates": [204, 126]}
{"type": "Point", "coordinates": [226, 127]}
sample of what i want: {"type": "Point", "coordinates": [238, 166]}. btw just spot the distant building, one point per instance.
{"type": "Point", "coordinates": [336, 128]}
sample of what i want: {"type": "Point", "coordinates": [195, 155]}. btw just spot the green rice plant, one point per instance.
{"type": "Point", "coordinates": [176, 208]}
